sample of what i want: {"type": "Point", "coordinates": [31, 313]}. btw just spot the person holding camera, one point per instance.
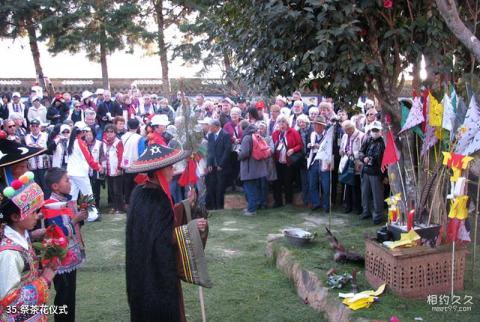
{"type": "Point", "coordinates": [371, 155]}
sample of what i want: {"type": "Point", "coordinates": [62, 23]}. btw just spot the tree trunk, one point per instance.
{"type": "Point", "coordinates": [449, 12]}
{"type": "Point", "coordinates": [103, 63]}
{"type": "Point", "coordinates": [32, 38]}
{"type": "Point", "coordinates": [162, 48]}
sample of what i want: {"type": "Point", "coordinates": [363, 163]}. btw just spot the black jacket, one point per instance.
{"type": "Point", "coordinates": [4, 111]}
{"type": "Point", "coordinates": [219, 150]}
{"type": "Point", "coordinates": [373, 149]}
{"type": "Point", "coordinates": [108, 107]}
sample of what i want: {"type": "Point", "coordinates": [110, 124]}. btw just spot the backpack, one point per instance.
{"type": "Point", "coordinates": [260, 148]}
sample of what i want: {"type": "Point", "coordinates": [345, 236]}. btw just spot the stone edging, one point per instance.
{"type": "Point", "coordinates": [309, 287]}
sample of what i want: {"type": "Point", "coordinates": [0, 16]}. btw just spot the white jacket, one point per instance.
{"type": "Point", "coordinates": [130, 143]}
{"type": "Point", "coordinates": [59, 153]}
{"type": "Point", "coordinates": [39, 113]}
{"type": "Point", "coordinates": [112, 157]}
{"type": "Point", "coordinates": [81, 160]}
{"type": "Point", "coordinates": [40, 141]}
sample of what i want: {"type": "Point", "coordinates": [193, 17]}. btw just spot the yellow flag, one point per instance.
{"type": "Point", "coordinates": [435, 114]}
{"type": "Point", "coordinates": [458, 208]}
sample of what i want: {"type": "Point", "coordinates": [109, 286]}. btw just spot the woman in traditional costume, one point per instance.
{"type": "Point", "coordinates": [23, 287]}
{"type": "Point", "coordinates": [155, 240]}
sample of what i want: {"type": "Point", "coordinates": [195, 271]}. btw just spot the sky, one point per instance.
{"type": "Point", "coordinates": [17, 61]}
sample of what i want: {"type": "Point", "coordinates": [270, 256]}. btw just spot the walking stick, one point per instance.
{"type": "Point", "coordinates": [202, 303]}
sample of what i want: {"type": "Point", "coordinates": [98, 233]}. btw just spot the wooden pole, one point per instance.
{"type": "Point", "coordinates": [475, 232]}
{"type": "Point", "coordinates": [440, 179]}
{"type": "Point", "coordinates": [202, 303]}
{"type": "Point", "coordinates": [453, 266]}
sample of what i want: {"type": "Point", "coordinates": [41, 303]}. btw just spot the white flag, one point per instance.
{"type": "Point", "coordinates": [325, 150]}
{"type": "Point", "coordinates": [448, 113]}
{"type": "Point", "coordinates": [415, 116]}
{"type": "Point", "coordinates": [469, 130]}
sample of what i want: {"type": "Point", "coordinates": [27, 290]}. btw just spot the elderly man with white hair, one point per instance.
{"type": "Point", "coordinates": [16, 105]}
{"type": "Point", "coordinates": [108, 109]}
{"type": "Point", "coordinates": [349, 151]}
{"type": "Point", "coordinates": [297, 110]}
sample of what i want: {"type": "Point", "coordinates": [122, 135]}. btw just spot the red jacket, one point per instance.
{"type": "Point", "coordinates": [294, 140]}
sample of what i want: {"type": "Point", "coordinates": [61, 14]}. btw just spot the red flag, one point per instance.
{"type": "Point", "coordinates": [390, 155]}
{"type": "Point", "coordinates": [452, 230]}
{"type": "Point", "coordinates": [189, 176]}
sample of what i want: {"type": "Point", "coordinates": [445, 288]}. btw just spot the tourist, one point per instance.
{"type": "Point", "coordinates": [96, 179]}
{"type": "Point", "coordinates": [16, 105]}
{"type": "Point", "coordinates": [165, 109]}
{"type": "Point", "coordinates": [371, 154]}
{"type": "Point", "coordinates": [80, 161]}
{"type": "Point", "coordinates": [318, 169]}
{"type": "Point", "coordinates": [305, 130]}
{"type": "Point", "coordinates": [37, 111]}
{"type": "Point", "coordinates": [87, 101]}
{"type": "Point", "coordinates": [288, 151]}
{"type": "Point", "coordinates": [274, 113]}
{"type": "Point", "coordinates": [297, 110]}
{"type": "Point", "coordinates": [107, 110]}
{"type": "Point", "coordinates": [77, 114]}
{"type": "Point", "coordinates": [224, 115]}
{"type": "Point", "coordinates": [58, 146]}
{"type": "Point", "coordinates": [111, 160]}
{"type": "Point", "coordinates": [4, 112]}
{"type": "Point", "coordinates": [219, 149]}
{"type": "Point", "coordinates": [252, 171]}
{"type": "Point", "coordinates": [349, 150]}
{"type": "Point", "coordinates": [133, 146]}
{"type": "Point", "coordinates": [39, 164]}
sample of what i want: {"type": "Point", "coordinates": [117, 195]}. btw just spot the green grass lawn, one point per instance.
{"type": "Point", "coordinates": [247, 286]}
{"type": "Point", "coordinates": [349, 229]}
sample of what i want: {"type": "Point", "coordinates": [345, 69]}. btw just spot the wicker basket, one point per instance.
{"type": "Point", "coordinates": [414, 272]}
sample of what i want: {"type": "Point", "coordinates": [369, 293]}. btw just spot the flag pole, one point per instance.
{"type": "Point", "coordinates": [331, 183]}
{"type": "Point", "coordinates": [404, 191]}
{"type": "Point", "coordinates": [202, 304]}
{"type": "Point", "coordinates": [475, 232]}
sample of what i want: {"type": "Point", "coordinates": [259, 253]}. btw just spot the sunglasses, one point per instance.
{"type": "Point", "coordinates": [10, 126]}
{"type": "Point", "coordinates": [65, 132]}
{"type": "Point", "coordinates": [375, 130]}
{"type": "Point", "coordinates": [370, 114]}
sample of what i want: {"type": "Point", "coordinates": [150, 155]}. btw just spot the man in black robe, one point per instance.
{"type": "Point", "coordinates": [153, 287]}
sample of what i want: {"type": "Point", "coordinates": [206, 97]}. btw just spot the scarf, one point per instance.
{"type": "Point", "coordinates": [109, 142]}
{"type": "Point", "coordinates": [142, 178]}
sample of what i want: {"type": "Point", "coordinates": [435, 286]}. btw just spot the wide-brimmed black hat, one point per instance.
{"type": "Point", "coordinates": [157, 156]}
{"type": "Point", "coordinates": [12, 152]}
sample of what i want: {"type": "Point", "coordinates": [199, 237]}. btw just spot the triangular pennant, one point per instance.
{"type": "Point", "coordinates": [430, 139]}
{"type": "Point", "coordinates": [390, 156]}
{"type": "Point", "coordinates": [448, 114]}
{"type": "Point", "coordinates": [469, 129]}
{"type": "Point", "coordinates": [415, 116]}
{"type": "Point", "coordinates": [435, 112]}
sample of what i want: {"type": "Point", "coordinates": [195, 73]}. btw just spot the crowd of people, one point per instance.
{"type": "Point", "coordinates": [72, 146]}
{"type": "Point", "coordinates": [95, 137]}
